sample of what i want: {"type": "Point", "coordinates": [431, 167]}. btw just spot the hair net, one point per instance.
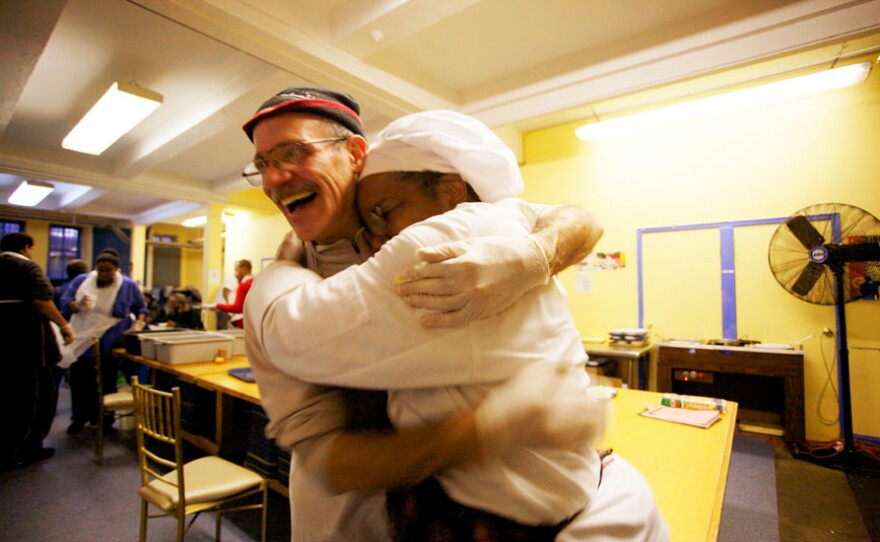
{"type": "Point", "coordinates": [447, 142]}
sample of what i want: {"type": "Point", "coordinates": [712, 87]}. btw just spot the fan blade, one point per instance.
{"type": "Point", "coordinates": [805, 232]}
{"type": "Point", "coordinates": [807, 278]}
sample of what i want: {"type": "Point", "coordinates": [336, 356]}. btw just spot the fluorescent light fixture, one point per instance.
{"type": "Point", "coordinates": [30, 193]}
{"type": "Point", "coordinates": [119, 110]}
{"type": "Point", "coordinates": [195, 221]}
{"type": "Point", "coordinates": [731, 101]}
{"type": "Point", "coordinates": [202, 220]}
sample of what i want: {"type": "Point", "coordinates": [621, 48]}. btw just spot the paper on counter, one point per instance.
{"type": "Point", "coordinates": [697, 418]}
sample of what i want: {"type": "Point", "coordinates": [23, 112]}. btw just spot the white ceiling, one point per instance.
{"type": "Point", "coordinates": [515, 64]}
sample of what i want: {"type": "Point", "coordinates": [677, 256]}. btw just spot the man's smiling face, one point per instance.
{"type": "Point", "coordinates": [316, 195]}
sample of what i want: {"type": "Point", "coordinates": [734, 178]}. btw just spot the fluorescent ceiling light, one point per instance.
{"type": "Point", "coordinates": [202, 220]}
{"type": "Point", "coordinates": [195, 221]}
{"type": "Point", "coordinates": [731, 101]}
{"type": "Point", "coordinates": [30, 193]}
{"type": "Point", "coordinates": [119, 110]}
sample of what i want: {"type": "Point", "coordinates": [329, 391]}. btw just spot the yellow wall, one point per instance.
{"type": "Point", "coordinates": [253, 235]}
{"type": "Point", "coordinates": [764, 163]}
{"type": "Point", "coordinates": [39, 230]}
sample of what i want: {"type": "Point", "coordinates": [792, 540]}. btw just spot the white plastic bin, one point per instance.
{"type": "Point", "coordinates": [191, 349]}
{"type": "Point", "coordinates": [148, 340]}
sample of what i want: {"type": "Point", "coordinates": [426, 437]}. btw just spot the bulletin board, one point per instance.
{"type": "Point", "coordinates": [691, 269]}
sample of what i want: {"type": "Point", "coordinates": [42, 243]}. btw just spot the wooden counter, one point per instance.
{"type": "Point", "coordinates": [685, 466]}
{"type": "Point", "coordinates": [787, 365]}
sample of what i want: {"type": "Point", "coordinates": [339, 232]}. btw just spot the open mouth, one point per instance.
{"type": "Point", "coordinates": [294, 202]}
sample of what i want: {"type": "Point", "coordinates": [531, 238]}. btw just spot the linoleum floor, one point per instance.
{"type": "Point", "coordinates": [70, 498]}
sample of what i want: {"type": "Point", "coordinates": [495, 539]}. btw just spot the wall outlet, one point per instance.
{"type": "Point", "coordinates": [826, 331]}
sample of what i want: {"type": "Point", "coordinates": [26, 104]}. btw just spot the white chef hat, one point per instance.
{"type": "Point", "coordinates": [447, 142]}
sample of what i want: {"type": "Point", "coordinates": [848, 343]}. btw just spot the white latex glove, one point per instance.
{"type": "Point", "coordinates": [209, 306]}
{"type": "Point", "coordinates": [138, 325]}
{"type": "Point", "coordinates": [540, 408]}
{"type": "Point", "coordinates": [86, 302]}
{"type": "Point", "coordinates": [473, 279]}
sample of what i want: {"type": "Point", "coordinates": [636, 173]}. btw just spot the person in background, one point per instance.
{"type": "Point", "coordinates": [104, 304]}
{"type": "Point", "coordinates": [243, 270]}
{"type": "Point", "coordinates": [74, 269]}
{"type": "Point", "coordinates": [155, 314]}
{"type": "Point", "coordinates": [182, 314]}
{"type": "Point", "coordinates": [30, 378]}
{"type": "Point", "coordinates": [309, 149]}
{"type": "Point", "coordinates": [225, 295]}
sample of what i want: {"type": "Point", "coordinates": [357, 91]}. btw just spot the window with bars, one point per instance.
{"type": "Point", "coordinates": [11, 226]}
{"type": "Point", "coordinates": [64, 246]}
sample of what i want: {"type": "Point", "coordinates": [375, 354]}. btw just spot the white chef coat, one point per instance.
{"type": "Point", "coordinates": [356, 332]}
{"type": "Point", "coordinates": [305, 417]}
{"type": "Point", "coordinates": [623, 510]}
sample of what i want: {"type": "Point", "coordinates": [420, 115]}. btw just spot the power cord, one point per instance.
{"type": "Point", "coordinates": [828, 385]}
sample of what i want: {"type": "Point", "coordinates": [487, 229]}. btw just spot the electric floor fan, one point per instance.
{"type": "Point", "coordinates": [829, 254]}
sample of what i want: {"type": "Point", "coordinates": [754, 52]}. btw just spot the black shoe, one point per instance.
{"type": "Point", "coordinates": [75, 428]}
{"type": "Point", "coordinates": [39, 454]}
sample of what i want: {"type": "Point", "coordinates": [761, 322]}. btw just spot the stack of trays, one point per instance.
{"type": "Point", "coordinates": [629, 336]}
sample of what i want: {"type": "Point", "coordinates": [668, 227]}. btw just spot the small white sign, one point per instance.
{"type": "Point", "coordinates": [214, 276]}
{"type": "Point", "coordinates": [583, 282]}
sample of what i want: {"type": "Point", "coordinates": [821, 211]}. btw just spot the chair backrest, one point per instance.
{"type": "Point", "coordinates": [159, 441]}
{"type": "Point", "coordinates": [96, 348]}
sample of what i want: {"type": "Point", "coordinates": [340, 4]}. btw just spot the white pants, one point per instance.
{"type": "Point", "coordinates": [623, 509]}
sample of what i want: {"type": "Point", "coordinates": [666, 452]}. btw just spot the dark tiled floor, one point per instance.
{"type": "Point", "coordinates": [818, 503]}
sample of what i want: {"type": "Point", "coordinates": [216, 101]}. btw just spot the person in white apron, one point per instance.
{"type": "Point", "coordinates": [104, 304]}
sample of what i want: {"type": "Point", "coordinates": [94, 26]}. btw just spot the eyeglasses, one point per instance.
{"type": "Point", "coordinates": [290, 155]}
{"type": "Point", "coordinates": [376, 222]}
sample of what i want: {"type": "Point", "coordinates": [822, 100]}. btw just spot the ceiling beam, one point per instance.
{"type": "Point", "coordinates": [288, 48]}
{"type": "Point", "coordinates": [26, 29]}
{"type": "Point", "coordinates": [363, 28]}
{"type": "Point", "coordinates": [148, 185]}
{"type": "Point", "coordinates": [210, 117]}
{"type": "Point", "coordinates": [165, 212]}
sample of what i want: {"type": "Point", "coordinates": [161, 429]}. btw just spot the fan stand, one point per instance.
{"type": "Point", "coordinates": [851, 459]}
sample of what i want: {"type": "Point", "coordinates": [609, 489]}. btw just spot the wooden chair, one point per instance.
{"type": "Point", "coordinates": [121, 403]}
{"type": "Point", "coordinates": [206, 484]}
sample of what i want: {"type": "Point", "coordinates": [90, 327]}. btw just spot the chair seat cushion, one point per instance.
{"type": "Point", "coordinates": [121, 400]}
{"type": "Point", "coordinates": [206, 479]}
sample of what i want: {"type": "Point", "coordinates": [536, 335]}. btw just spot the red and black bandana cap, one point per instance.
{"type": "Point", "coordinates": [336, 106]}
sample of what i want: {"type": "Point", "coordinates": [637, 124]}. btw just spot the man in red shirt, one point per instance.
{"type": "Point", "coordinates": [245, 279]}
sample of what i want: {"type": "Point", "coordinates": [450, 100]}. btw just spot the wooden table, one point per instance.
{"type": "Point", "coordinates": [215, 378]}
{"type": "Point", "coordinates": [685, 466]}
{"type": "Point", "coordinates": [638, 356]}
{"type": "Point", "coordinates": [785, 365]}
